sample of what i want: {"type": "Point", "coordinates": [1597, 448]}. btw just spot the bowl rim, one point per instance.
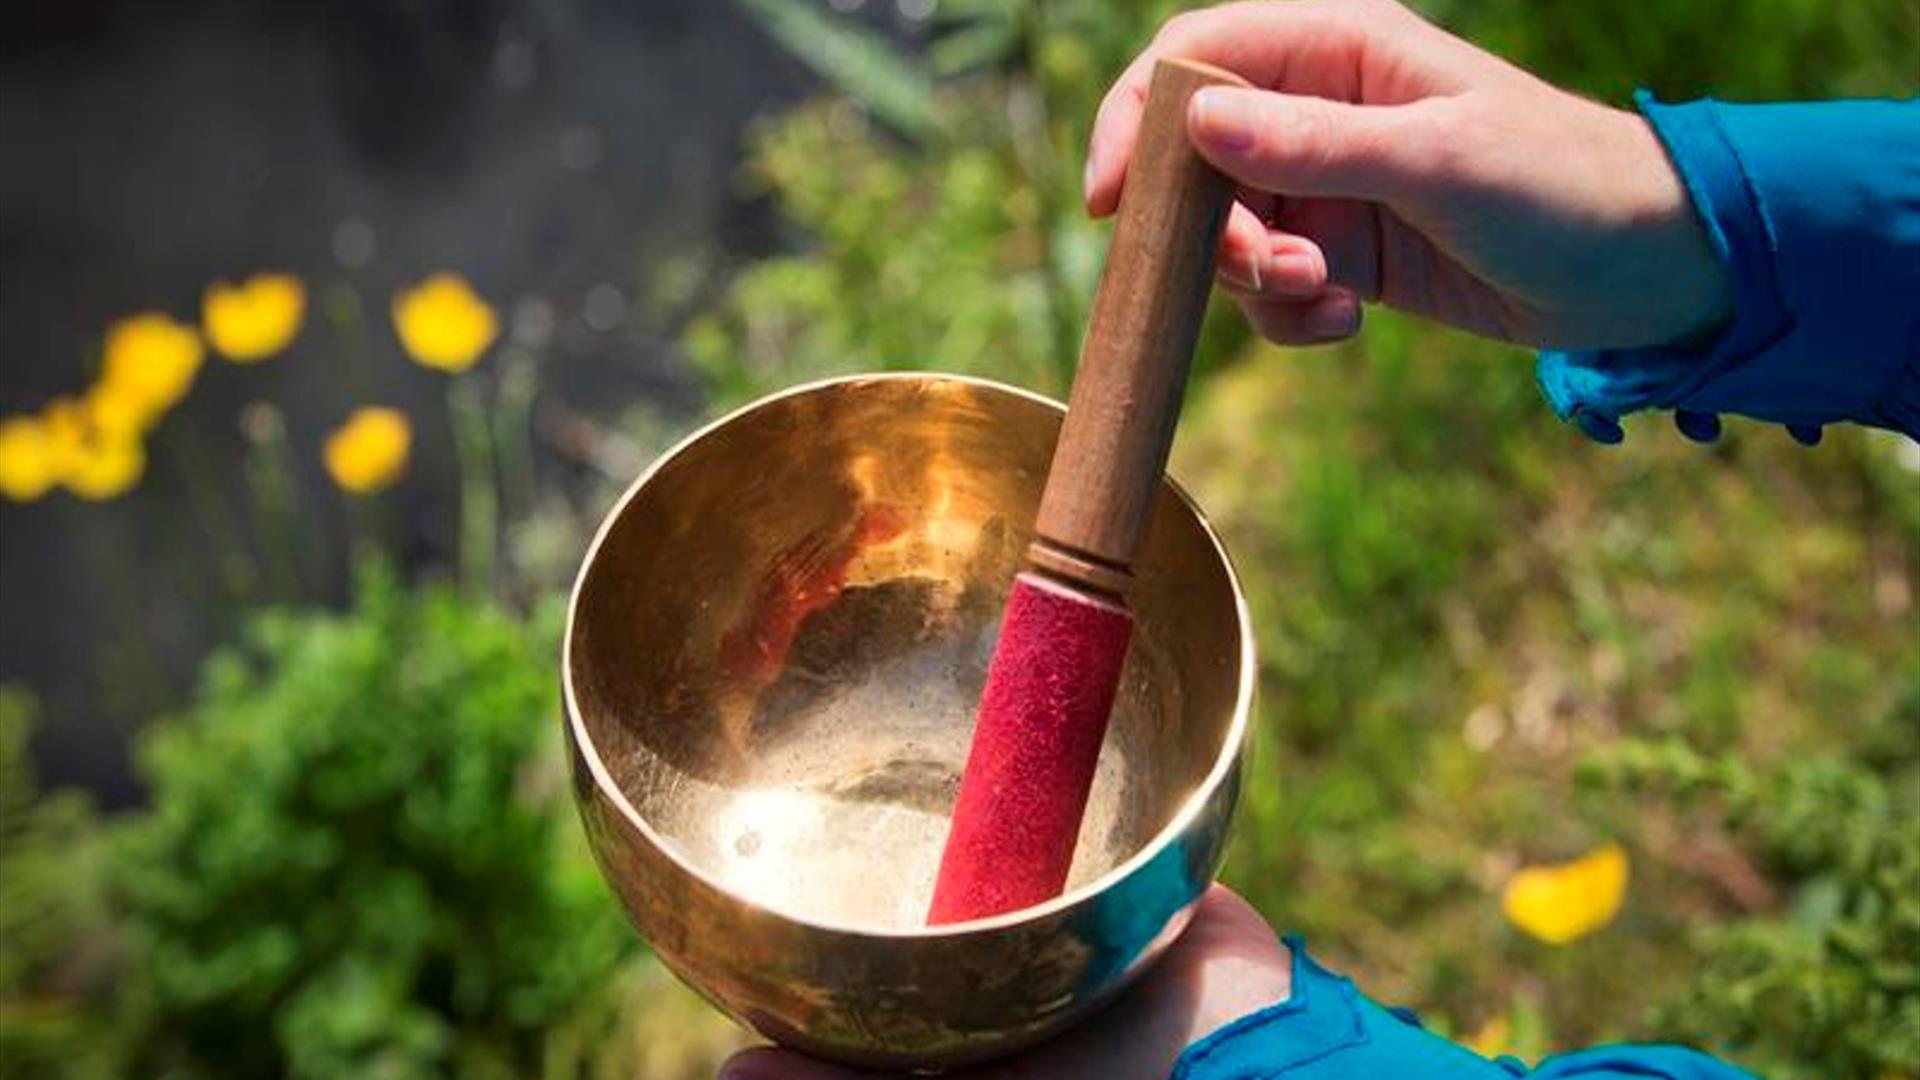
{"type": "Point", "coordinates": [1224, 763]}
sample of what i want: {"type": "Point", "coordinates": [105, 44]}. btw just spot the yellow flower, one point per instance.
{"type": "Point", "coordinates": [1494, 1038]}
{"type": "Point", "coordinates": [150, 362]}
{"type": "Point", "coordinates": [255, 319]}
{"type": "Point", "coordinates": [114, 413]}
{"type": "Point", "coordinates": [106, 467]}
{"type": "Point", "coordinates": [369, 451]}
{"type": "Point", "coordinates": [29, 461]}
{"type": "Point", "coordinates": [68, 434]}
{"type": "Point", "coordinates": [1563, 902]}
{"type": "Point", "coordinates": [443, 324]}
{"type": "Point", "coordinates": [93, 461]}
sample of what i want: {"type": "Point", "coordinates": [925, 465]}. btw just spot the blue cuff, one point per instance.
{"type": "Point", "coordinates": [1661, 1062]}
{"type": "Point", "coordinates": [1814, 211]}
{"type": "Point", "coordinates": [1326, 1030]}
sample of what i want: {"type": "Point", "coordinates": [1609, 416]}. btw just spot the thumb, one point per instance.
{"type": "Point", "coordinates": [1311, 146]}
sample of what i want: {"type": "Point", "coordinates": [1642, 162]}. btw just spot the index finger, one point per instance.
{"type": "Point", "coordinates": [1302, 47]}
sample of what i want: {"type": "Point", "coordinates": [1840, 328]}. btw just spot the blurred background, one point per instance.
{"type": "Point", "coordinates": [331, 330]}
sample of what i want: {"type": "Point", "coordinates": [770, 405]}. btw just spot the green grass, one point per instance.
{"type": "Point", "coordinates": [1459, 599]}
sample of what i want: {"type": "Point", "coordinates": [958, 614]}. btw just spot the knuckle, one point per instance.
{"type": "Point", "coordinates": [1361, 17]}
{"type": "Point", "coordinates": [1340, 10]}
{"type": "Point", "coordinates": [1179, 28]}
{"type": "Point", "coordinates": [1311, 135]}
{"type": "Point", "coordinates": [1193, 25]}
{"type": "Point", "coordinates": [1442, 138]}
{"type": "Point", "coordinates": [1375, 8]}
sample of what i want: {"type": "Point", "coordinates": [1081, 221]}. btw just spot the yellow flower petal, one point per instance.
{"type": "Point", "coordinates": [107, 468]}
{"type": "Point", "coordinates": [91, 459]}
{"type": "Point", "coordinates": [369, 451]}
{"type": "Point", "coordinates": [150, 362]}
{"type": "Point", "coordinates": [68, 434]}
{"type": "Point", "coordinates": [29, 461]}
{"type": "Point", "coordinates": [113, 413]}
{"type": "Point", "coordinates": [1494, 1038]}
{"type": "Point", "coordinates": [443, 324]}
{"type": "Point", "coordinates": [255, 319]}
{"type": "Point", "coordinates": [1564, 902]}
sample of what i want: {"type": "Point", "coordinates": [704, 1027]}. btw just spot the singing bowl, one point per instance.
{"type": "Point", "coordinates": [772, 656]}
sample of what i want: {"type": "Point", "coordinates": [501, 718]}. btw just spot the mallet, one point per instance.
{"type": "Point", "coordinates": [1063, 640]}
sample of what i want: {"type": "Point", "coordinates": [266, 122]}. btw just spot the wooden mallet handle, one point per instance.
{"type": "Point", "coordinates": [1139, 344]}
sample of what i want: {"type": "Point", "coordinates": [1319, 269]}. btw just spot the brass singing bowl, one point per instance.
{"type": "Point", "coordinates": [772, 658]}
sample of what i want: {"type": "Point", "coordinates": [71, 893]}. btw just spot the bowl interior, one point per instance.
{"type": "Point", "coordinates": [781, 635]}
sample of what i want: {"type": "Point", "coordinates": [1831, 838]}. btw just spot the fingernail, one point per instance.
{"type": "Point", "coordinates": [1223, 117]}
{"type": "Point", "coordinates": [1336, 317]}
{"type": "Point", "coordinates": [1297, 270]}
{"type": "Point", "coordinates": [1092, 171]}
{"type": "Point", "coordinates": [1242, 272]}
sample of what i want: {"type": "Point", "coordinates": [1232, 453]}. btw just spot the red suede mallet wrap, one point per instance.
{"type": "Point", "coordinates": [1042, 718]}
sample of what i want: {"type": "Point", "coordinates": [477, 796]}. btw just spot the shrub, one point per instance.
{"type": "Point", "coordinates": [355, 863]}
{"type": "Point", "coordinates": [54, 942]}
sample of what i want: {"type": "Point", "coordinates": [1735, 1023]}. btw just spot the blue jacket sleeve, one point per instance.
{"type": "Point", "coordinates": [1326, 1030]}
{"type": "Point", "coordinates": [1814, 211]}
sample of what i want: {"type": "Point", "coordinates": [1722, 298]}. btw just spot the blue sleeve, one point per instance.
{"type": "Point", "coordinates": [1814, 211]}
{"type": "Point", "coordinates": [1326, 1030]}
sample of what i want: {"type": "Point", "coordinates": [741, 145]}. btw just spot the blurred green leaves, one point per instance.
{"type": "Point", "coordinates": [357, 861]}
{"type": "Point", "coordinates": [962, 249]}
{"type": "Point", "coordinates": [1835, 978]}
{"type": "Point", "coordinates": [856, 59]}
{"type": "Point", "coordinates": [1754, 49]}
{"type": "Point", "coordinates": [55, 945]}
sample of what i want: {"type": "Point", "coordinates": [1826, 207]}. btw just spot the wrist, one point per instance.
{"type": "Point", "coordinates": [1691, 289]}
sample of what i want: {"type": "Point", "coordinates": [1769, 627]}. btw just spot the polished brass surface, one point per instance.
{"type": "Point", "coordinates": [773, 653]}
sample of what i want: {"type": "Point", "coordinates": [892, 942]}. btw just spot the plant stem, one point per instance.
{"type": "Point", "coordinates": [144, 687]}
{"type": "Point", "coordinates": [366, 532]}
{"type": "Point", "coordinates": [238, 570]}
{"type": "Point", "coordinates": [269, 467]}
{"type": "Point", "coordinates": [347, 313]}
{"type": "Point", "coordinates": [513, 430]}
{"type": "Point", "coordinates": [479, 495]}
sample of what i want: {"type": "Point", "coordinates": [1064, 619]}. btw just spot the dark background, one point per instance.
{"type": "Point", "coordinates": [545, 148]}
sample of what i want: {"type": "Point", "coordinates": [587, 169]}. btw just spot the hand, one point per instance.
{"type": "Point", "coordinates": [1226, 965]}
{"type": "Point", "coordinates": [1386, 160]}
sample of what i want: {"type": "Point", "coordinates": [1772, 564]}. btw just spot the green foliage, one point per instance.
{"type": "Point", "coordinates": [960, 249]}
{"type": "Point", "coordinates": [51, 918]}
{"type": "Point", "coordinates": [354, 861]}
{"type": "Point", "coordinates": [1834, 979]}
{"type": "Point", "coordinates": [855, 58]}
{"type": "Point", "coordinates": [1755, 49]}
{"type": "Point", "coordinates": [1455, 598]}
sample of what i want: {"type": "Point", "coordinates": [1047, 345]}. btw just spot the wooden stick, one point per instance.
{"type": "Point", "coordinates": [1133, 366]}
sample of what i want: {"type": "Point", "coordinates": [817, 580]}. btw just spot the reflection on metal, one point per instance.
{"type": "Point", "coordinates": [772, 658]}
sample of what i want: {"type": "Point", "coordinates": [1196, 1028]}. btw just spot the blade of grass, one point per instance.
{"type": "Point", "coordinates": [862, 63]}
